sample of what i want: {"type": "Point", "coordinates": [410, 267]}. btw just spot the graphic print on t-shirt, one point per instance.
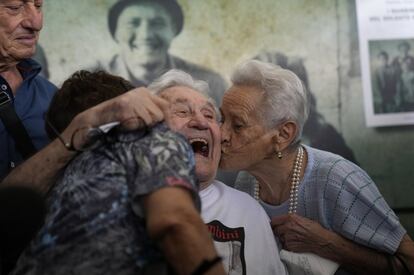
{"type": "Point", "coordinates": [230, 244]}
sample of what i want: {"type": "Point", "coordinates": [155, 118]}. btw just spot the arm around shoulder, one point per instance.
{"type": "Point", "coordinates": [41, 170]}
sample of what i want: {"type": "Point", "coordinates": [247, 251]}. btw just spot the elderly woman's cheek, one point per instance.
{"type": "Point", "coordinates": [244, 153]}
{"type": "Point", "coordinates": [231, 162]}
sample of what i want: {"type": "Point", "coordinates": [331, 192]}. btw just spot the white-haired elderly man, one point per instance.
{"type": "Point", "coordinates": [237, 223]}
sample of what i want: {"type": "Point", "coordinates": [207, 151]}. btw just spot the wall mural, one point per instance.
{"type": "Point", "coordinates": [315, 39]}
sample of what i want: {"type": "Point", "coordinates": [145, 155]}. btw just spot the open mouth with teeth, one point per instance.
{"type": "Point", "coordinates": [200, 146]}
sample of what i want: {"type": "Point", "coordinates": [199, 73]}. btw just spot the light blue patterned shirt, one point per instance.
{"type": "Point", "coordinates": [342, 198]}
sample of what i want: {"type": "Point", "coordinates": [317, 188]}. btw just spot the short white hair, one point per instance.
{"type": "Point", "coordinates": [174, 77]}
{"type": "Point", "coordinates": [284, 95]}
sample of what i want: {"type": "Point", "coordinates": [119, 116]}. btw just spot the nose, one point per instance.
{"type": "Point", "coordinates": [33, 17]}
{"type": "Point", "coordinates": [143, 32]}
{"type": "Point", "coordinates": [131, 40]}
{"type": "Point", "coordinates": [198, 121]}
{"type": "Point", "coordinates": [225, 134]}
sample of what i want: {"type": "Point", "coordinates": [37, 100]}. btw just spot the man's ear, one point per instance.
{"type": "Point", "coordinates": [284, 135]}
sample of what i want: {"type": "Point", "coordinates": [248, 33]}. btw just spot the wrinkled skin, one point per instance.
{"type": "Point", "coordinates": [192, 115]}
{"type": "Point", "coordinates": [299, 234]}
{"type": "Point", "coordinates": [245, 141]}
{"type": "Point", "coordinates": [20, 24]}
{"type": "Point", "coordinates": [248, 146]}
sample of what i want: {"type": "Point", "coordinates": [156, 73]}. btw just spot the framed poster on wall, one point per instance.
{"type": "Point", "coordinates": [386, 40]}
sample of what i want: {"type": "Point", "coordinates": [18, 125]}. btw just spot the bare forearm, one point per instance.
{"type": "Point", "coordinates": [174, 223]}
{"type": "Point", "coordinates": [300, 234]}
{"type": "Point", "coordinates": [41, 170]}
{"type": "Point", "coordinates": [406, 253]}
{"type": "Point", "coordinates": [185, 248]}
{"type": "Point", "coordinates": [353, 257]}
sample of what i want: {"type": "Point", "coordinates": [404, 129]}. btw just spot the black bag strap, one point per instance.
{"type": "Point", "coordinates": [12, 122]}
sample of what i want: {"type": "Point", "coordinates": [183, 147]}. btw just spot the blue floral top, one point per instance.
{"type": "Point", "coordinates": [96, 223]}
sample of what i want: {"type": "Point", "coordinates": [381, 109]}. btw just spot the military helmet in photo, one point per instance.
{"type": "Point", "coordinates": [171, 6]}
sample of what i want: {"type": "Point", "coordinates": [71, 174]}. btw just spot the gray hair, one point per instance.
{"type": "Point", "coordinates": [174, 77]}
{"type": "Point", "coordinates": [284, 95]}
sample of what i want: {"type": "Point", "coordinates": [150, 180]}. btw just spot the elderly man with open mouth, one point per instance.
{"type": "Point", "coordinates": [237, 223]}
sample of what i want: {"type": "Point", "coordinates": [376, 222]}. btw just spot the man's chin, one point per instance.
{"type": "Point", "coordinates": [205, 176]}
{"type": "Point", "coordinates": [148, 55]}
{"type": "Point", "coordinates": [23, 53]}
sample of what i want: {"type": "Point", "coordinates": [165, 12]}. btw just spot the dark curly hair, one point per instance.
{"type": "Point", "coordinates": [79, 92]}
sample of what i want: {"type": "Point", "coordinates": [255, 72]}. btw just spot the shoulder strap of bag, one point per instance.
{"type": "Point", "coordinates": [13, 124]}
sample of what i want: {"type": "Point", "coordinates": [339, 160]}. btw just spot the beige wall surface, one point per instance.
{"type": "Point", "coordinates": [220, 33]}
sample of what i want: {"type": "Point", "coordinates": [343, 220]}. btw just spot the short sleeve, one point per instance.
{"type": "Point", "coordinates": [164, 159]}
{"type": "Point", "coordinates": [357, 209]}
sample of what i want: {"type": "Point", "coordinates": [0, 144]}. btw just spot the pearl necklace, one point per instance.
{"type": "Point", "coordinates": [294, 187]}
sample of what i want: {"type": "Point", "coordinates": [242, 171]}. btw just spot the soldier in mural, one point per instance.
{"type": "Point", "coordinates": [403, 65]}
{"type": "Point", "coordinates": [392, 76]}
{"type": "Point", "coordinates": [405, 87]}
{"type": "Point", "coordinates": [317, 132]}
{"type": "Point", "coordinates": [404, 54]}
{"type": "Point", "coordinates": [385, 84]}
{"type": "Point", "coordinates": [144, 31]}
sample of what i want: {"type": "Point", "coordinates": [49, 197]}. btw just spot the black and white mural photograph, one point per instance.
{"type": "Point", "coordinates": [329, 160]}
{"type": "Point", "coordinates": [318, 41]}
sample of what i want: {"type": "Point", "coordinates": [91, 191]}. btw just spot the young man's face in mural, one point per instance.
{"type": "Point", "coordinates": [144, 33]}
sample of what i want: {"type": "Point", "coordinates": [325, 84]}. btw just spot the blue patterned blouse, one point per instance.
{"type": "Point", "coordinates": [95, 223]}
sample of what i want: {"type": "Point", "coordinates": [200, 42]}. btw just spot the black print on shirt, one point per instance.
{"type": "Point", "coordinates": [232, 240]}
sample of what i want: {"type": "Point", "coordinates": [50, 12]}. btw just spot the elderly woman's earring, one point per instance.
{"type": "Point", "coordinates": [279, 155]}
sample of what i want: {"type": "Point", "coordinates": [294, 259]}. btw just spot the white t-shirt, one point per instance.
{"type": "Point", "coordinates": [241, 231]}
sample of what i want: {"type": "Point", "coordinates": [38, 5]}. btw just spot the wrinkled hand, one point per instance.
{"type": "Point", "coordinates": [300, 234]}
{"type": "Point", "coordinates": [135, 109]}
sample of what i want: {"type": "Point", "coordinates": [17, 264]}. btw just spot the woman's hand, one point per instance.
{"type": "Point", "coordinates": [300, 234]}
